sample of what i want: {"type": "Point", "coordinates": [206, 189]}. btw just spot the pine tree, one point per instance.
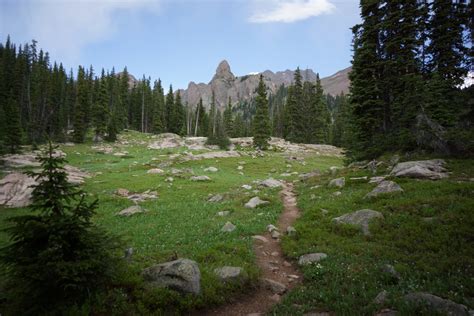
{"type": "Point", "coordinates": [261, 131]}
{"type": "Point", "coordinates": [101, 109]}
{"type": "Point", "coordinates": [57, 257]}
{"type": "Point", "coordinates": [178, 117]}
{"type": "Point", "coordinates": [158, 105]}
{"type": "Point", "coordinates": [212, 117]}
{"type": "Point", "coordinates": [169, 109]}
{"type": "Point", "coordinates": [228, 122]}
{"type": "Point", "coordinates": [82, 102]}
{"type": "Point", "coordinates": [13, 133]}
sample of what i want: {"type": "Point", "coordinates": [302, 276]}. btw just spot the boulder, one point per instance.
{"type": "Point", "coordinates": [255, 202]}
{"type": "Point", "coordinates": [213, 155]}
{"type": "Point", "coordinates": [166, 140]}
{"type": "Point", "coordinates": [228, 227]}
{"type": "Point", "coordinates": [229, 274]}
{"type": "Point", "coordinates": [155, 171]}
{"type": "Point", "coordinates": [423, 169]}
{"type": "Point", "coordinates": [75, 175]}
{"type": "Point", "coordinates": [271, 183]}
{"type": "Point", "coordinates": [291, 231]}
{"type": "Point", "coordinates": [122, 192]}
{"type": "Point", "coordinates": [15, 190]}
{"type": "Point", "coordinates": [182, 275]}
{"type": "Point", "coordinates": [383, 188]}
{"type": "Point", "coordinates": [436, 304]}
{"type": "Point", "coordinates": [311, 258]}
{"type": "Point", "coordinates": [20, 160]}
{"type": "Point", "coordinates": [359, 218]}
{"type": "Point", "coordinates": [200, 178]}
{"type": "Point", "coordinates": [132, 210]}
{"type": "Point", "coordinates": [338, 183]}
{"type": "Point", "coordinates": [211, 169]}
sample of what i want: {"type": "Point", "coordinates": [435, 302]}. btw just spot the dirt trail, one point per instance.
{"type": "Point", "coordinates": [272, 264]}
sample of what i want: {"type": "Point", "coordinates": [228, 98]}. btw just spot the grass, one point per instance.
{"type": "Point", "coordinates": [180, 222]}
{"type": "Point", "coordinates": [427, 235]}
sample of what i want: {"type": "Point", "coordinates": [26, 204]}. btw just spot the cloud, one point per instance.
{"type": "Point", "coordinates": [288, 11]}
{"type": "Point", "coordinates": [66, 27]}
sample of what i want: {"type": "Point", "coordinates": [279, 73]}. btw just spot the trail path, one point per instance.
{"type": "Point", "coordinates": [272, 264]}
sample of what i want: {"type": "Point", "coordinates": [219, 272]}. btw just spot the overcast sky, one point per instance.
{"type": "Point", "coordinates": [184, 40]}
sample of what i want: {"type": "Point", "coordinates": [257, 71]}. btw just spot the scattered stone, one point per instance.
{"type": "Point", "coordinates": [384, 187]}
{"type": "Point", "coordinates": [229, 274]}
{"type": "Point", "coordinates": [275, 234]}
{"type": "Point", "coordinates": [128, 253]}
{"type": "Point", "coordinates": [286, 174]}
{"type": "Point", "coordinates": [200, 178]}
{"type": "Point", "coordinates": [377, 179]}
{"type": "Point", "coordinates": [358, 178]}
{"type": "Point", "coordinates": [212, 155]}
{"type": "Point", "coordinates": [255, 202]}
{"type": "Point", "coordinates": [211, 169]}
{"type": "Point", "coordinates": [169, 179]}
{"type": "Point", "coordinates": [15, 190]}
{"type": "Point", "coordinates": [359, 218]}
{"type": "Point", "coordinates": [260, 238]}
{"type": "Point", "coordinates": [223, 213]}
{"type": "Point", "coordinates": [20, 160]}
{"type": "Point", "coordinates": [274, 286]}
{"type": "Point", "coordinates": [436, 304]}
{"type": "Point", "coordinates": [390, 271]}
{"type": "Point", "coordinates": [167, 140]}
{"type": "Point", "coordinates": [274, 254]}
{"type": "Point", "coordinates": [381, 298]}
{"type": "Point", "coordinates": [240, 168]}
{"type": "Point", "coordinates": [333, 170]}
{"type": "Point", "coordinates": [311, 258]}
{"type": "Point", "coordinates": [291, 231]}
{"type": "Point", "coordinates": [286, 264]}
{"type": "Point", "coordinates": [141, 197]}
{"type": "Point", "coordinates": [337, 193]}
{"type": "Point", "coordinates": [275, 297]}
{"type": "Point", "coordinates": [182, 275]}
{"type": "Point", "coordinates": [228, 227]}
{"type": "Point", "coordinates": [216, 198]}
{"type": "Point", "coordinates": [247, 187]}
{"type": "Point", "coordinates": [121, 154]}
{"type": "Point", "coordinates": [271, 183]}
{"type": "Point", "coordinates": [324, 211]}
{"type": "Point", "coordinates": [271, 228]}
{"type": "Point", "coordinates": [338, 183]}
{"type": "Point", "coordinates": [122, 192]}
{"type": "Point", "coordinates": [424, 169]}
{"type": "Point", "coordinates": [155, 171]}
{"type": "Point", "coordinates": [132, 210]}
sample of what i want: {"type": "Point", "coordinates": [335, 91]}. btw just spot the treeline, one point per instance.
{"type": "Point", "coordinates": [410, 59]}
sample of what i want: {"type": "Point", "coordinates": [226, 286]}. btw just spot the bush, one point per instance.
{"type": "Point", "coordinates": [57, 258]}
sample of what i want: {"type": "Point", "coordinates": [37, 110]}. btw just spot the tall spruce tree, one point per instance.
{"type": "Point", "coordinates": [169, 109]}
{"type": "Point", "coordinates": [101, 109]}
{"type": "Point", "coordinates": [261, 128]}
{"type": "Point", "coordinates": [228, 121]}
{"type": "Point", "coordinates": [81, 107]}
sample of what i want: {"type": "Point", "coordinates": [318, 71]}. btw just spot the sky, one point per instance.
{"type": "Point", "coordinates": [184, 40]}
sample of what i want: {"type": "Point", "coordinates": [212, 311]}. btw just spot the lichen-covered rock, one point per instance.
{"type": "Point", "coordinates": [15, 190]}
{"type": "Point", "coordinates": [228, 227]}
{"type": "Point", "coordinates": [132, 210]}
{"type": "Point", "coordinates": [271, 183]}
{"type": "Point", "coordinates": [255, 202]}
{"type": "Point", "coordinates": [229, 274]}
{"type": "Point", "coordinates": [311, 258]}
{"type": "Point", "coordinates": [200, 178]}
{"type": "Point", "coordinates": [359, 218]}
{"type": "Point", "coordinates": [423, 169]}
{"type": "Point", "coordinates": [384, 187]}
{"type": "Point", "coordinates": [182, 275]}
{"type": "Point", "coordinates": [436, 304]}
{"type": "Point", "coordinates": [338, 183]}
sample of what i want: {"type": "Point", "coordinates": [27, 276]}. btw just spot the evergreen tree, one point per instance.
{"type": "Point", "coordinates": [82, 101]}
{"type": "Point", "coordinates": [13, 131]}
{"type": "Point", "coordinates": [101, 109]}
{"type": "Point", "coordinates": [228, 121]}
{"type": "Point", "coordinates": [57, 257]}
{"type": "Point", "coordinates": [158, 105]}
{"type": "Point", "coordinates": [261, 132]}
{"type": "Point", "coordinates": [212, 117]}
{"type": "Point", "coordinates": [202, 120]}
{"type": "Point", "coordinates": [238, 128]}
{"type": "Point", "coordinates": [169, 109]}
{"type": "Point", "coordinates": [178, 116]}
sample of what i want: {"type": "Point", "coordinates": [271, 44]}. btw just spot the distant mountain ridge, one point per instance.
{"type": "Point", "coordinates": [242, 88]}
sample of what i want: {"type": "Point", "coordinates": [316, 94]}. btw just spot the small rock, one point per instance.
{"type": "Point", "coordinates": [274, 286]}
{"type": "Point", "coordinates": [377, 179]}
{"type": "Point", "coordinates": [229, 274]}
{"type": "Point", "coordinates": [381, 298]}
{"type": "Point", "coordinates": [291, 231]}
{"type": "Point", "coordinates": [271, 227]}
{"type": "Point", "coordinates": [271, 183]}
{"type": "Point", "coordinates": [339, 182]}
{"type": "Point", "coordinates": [169, 179]}
{"type": "Point", "coordinates": [128, 253]}
{"type": "Point", "coordinates": [274, 254]}
{"type": "Point", "coordinates": [255, 202]}
{"type": "Point", "coordinates": [275, 234]}
{"type": "Point", "coordinates": [260, 238]}
{"type": "Point", "coordinates": [155, 171]}
{"type": "Point", "coordinates": [240, 168]}
{"type": "Point", "coordinates": [337, 193]}
{"type": "Point", "coordinates": [384, 187]}
{"type": "Point", "coordinates": [311, 258]}
{"type": "Point", "coordinates": [286, 264]}
{"type": "Point", "coordinates": [275, 298]}
{"type": "Point", "coordinates": [223, 213]}
{"type": "Point", "coordinates": [358, 178]}
{"type": "Point", "coordinates": [309, 175]}
{"type": "Point", "coordinates": [211, 169]}
{"type": "Point", "coordinates": [200, 178]}
{"type": "Point", "coordinates": [132, 210]}
{"type": "Point", "coordinates": [122, 192]}
{"type": "Point", "coordinates": [390, 271]}
{"type": "Point", "coordinates": [247, 187]}
{"type": "Point", "coordinates": [216, 198]}
{"type": "Point", "coordinates": [228, 227]}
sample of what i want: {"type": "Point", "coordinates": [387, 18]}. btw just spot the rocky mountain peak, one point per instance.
{"type": "Point", "coordinates": [223, 71]}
